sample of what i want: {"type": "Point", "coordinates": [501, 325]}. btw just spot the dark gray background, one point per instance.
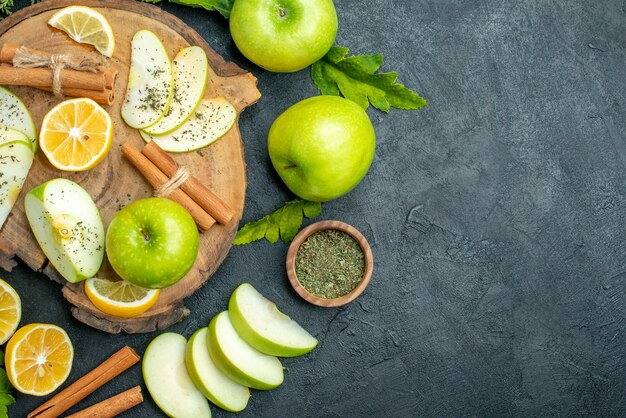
{"type": "Point", "coordinates": [496, 216]}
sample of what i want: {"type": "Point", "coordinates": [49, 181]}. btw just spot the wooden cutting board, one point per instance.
{"type": "Point", "coordinates": [114, 183]}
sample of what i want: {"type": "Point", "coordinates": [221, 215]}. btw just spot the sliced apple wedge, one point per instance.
{"type": "Point", "coordinates": [16, 157]}
{"type": "Point", "coordinates": [259, 322]}
{"type": "Point", "coordinates": [14, 114]}
{"type": "Point", "coordinates": [215, 385]}
{"type": "Point", "coordinates": [212, 120]}
{"type": "Point", "coordinates": [68, 228]}
{"type": "Point", "coordinates": [150, 82]}
{"type": "Point", "coordinates": [237, 360]}
{"type": "Point", "coordinates": [166, 378]}
{"type": "Point", "coordinates": [191, 71]}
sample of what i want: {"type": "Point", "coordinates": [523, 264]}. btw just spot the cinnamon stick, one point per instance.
{"type": "Point", "coordinates": [7, 53]}
{"type": "Point", "coordinates": [104, 97]}
{"type": "Point", "coordinates": [210, 202]}
{"type": "Point", "coordinates": [42, 77]}
{"type": "Point", "coordinates": [112, 406]}
{"type": "Point", "coordinates": [157, 179]}
{"type": "Point", "coordinates": [74, 393]}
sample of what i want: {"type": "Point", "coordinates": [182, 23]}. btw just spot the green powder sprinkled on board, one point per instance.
{"type": "Point", "coordinates": [330, 264]}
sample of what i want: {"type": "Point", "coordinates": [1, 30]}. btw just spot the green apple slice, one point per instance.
{"type": "Point", "coordinates": [166, 378]}
{"type": "Point", "coordinates": [150, 82]}
{"type": "Point", "coordinates": [259, 322]}
{"type": "Point", "coordinates": [237, 360]}
{"type": "Point", "coordinates": [191, 72]}
{"type": "Point", "coordinates": [215, 385]}
{"type": "Point", "coordinates": [212, 120]}
{"type": "Point", "coordinates": [14, 114]}
{"type": "Point", "coordinates": [68, 228]}
{"type": "Point", "coordinates": [15, 160]}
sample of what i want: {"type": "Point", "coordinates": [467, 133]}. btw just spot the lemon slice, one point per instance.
{"type": "Point", "coordinates": [120, 298]}
{"type": "Point", "coordinates": [38, 358]}
{"type": "Point", "coordinates": [86, 26]}
{"type": "Point", "coordinates": [76, 134]}
{"type": "Point", "coordinates": [10, 311]}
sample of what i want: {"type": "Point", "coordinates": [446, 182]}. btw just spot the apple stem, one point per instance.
{"type": "Point", "coordinates": [146, 236]}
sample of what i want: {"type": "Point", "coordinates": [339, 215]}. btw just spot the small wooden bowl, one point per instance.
{"type": "Point", "coordinates": [293, 251]}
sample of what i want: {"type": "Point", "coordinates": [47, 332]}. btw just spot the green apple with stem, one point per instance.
{"type": "Point", "coordinates": [215, 385]}
{"type": "Point", "coordinates": [283, 35]}
{"type": "Point", "coordinates": [237, 360]}
{"type": "Point", "coordinates": [259, 322]}
{"type": "Point", "coordinates": [152, 242]}
{"type": "Point", "coordinates": [166, 378]}
{"type": "Point", "coordinates": [322, 147]}
{"type": "Point", "coordinates": [68, 228]}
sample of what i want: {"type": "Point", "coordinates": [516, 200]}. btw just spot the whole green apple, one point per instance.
{"type": "Point", "coordinates": [283, 35]}
{"type": "Point", "coordinates": [152, 242]}
{"type": "Point", "coordinates": [322, 147]}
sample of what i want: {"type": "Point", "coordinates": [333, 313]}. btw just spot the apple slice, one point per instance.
{"type": "Point", "coordinates": [14, 114]}
{"type": "Point", "coordinates": [215, 385]}
{"type": "Point", "coordinates": [16, 157]}
{"type": "Point", "coordinates": [191, 72]}
{"type": "Point", "coordinates": [259, 322]}
{"type": "Point", "coordinates": [237, 360]}
{"type": "Point", "coordinates": [150, 82]}
{"type": "Point", "coordinates": [213, 118]}
{"type": "Point", "coordinates": [166, 378]}
{"type": "Point", "coordinates": [68, 228]}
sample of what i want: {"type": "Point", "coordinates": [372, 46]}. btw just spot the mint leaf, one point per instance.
{"type": "Point", "coordinates": [5, 384]}
{"type": "Point", "coordinates": [283, 223]}
{"type": "Point", "coordinates": [222, 6]}
{"type": "Point", "coordinates": [356, 78]}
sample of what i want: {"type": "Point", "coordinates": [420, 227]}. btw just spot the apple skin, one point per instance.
{"type": "Point", "coordinates": [283, 35]}
{"type": "Point", "coordinates": [152, 242]}
{"type": "Point", "coordinates": [322, 147]}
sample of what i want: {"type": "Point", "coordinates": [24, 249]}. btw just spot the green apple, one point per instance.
{"type": "Point", "coordinates": [322, 147]}
{"type": "Point", "coordinates": [237, 360]}
{"type": "Point", "coordinates": [191, 72]}
{"type": "Point", "coordinates": [68, 228]}
{"type": "Point", "coordinates": [283, 35]}
{"type": "Point", "coordinates": [152, 242]}
{"type": "Point", "coordinates": [150, 82]}
{"type": "Point", "coordinates": [212, 120]}
{"type": "Point", "coordinates": [14, 114]}
{"type": "Point", "coordinates": [16, 158]}
{"type": "Point", "coordinates": [259, 322]}
{"type": "Point", "coordinates": [215, 385]}
{"type": "Point", "coordinates": [166, 378]}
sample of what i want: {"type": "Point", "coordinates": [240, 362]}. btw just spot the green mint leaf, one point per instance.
{"type": "Point", "coordinates": [6, 399]}
{"type": "Point", "coordinates": [4, 411]}
{"type": "Point", "coordinates": [283, 223]}
{"type": "Point", "coordinates": [356, 78]}
{"type": "Point", "coordinates": [222, 6]}
{"type": "Point", "coordinates": [5, 384]}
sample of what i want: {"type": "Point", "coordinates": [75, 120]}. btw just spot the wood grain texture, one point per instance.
{"type": "Point", "coordinates": [115, 183]}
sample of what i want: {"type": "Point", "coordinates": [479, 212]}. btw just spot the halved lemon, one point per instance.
{"type": "Point", "coordinates": [120, 298]}
{"type": "Point", "coordinates": [87, 26]}
{"type": "Point", "coordinates": [10, 311]}
{"type": "Point", "coordinates": [38, 358]}
{"type": "Point", "coordinates": [76, 134]}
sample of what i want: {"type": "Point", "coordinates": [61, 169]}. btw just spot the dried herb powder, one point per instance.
{"type": "Point", "coordinates": [330, 264]}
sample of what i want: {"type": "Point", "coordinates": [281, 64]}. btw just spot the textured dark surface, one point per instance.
{"type": "Point", "coordinates": [496, 216]}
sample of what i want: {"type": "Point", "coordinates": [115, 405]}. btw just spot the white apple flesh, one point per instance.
{"type": "Point", "coordinates": [191, 71]}
{"type": "Point", "coordinates": [215, 385]}
{"type": "Point", "coordinates": [150, 82]}
{"type": "Point", "coordinates": [14, 114]}
{"type": "Point", "coordinates": [68, 228]}
{"type": "Point", "coordinates": [16, 158]}
{"type": "Point", "coordinates": [259, 322]}
{"type": "Point", "coordinates": [166, 378]}
{"type": "Point", "coordinates": [212, 119]}
{"type": "Point", "coordinates": [237, 360]}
